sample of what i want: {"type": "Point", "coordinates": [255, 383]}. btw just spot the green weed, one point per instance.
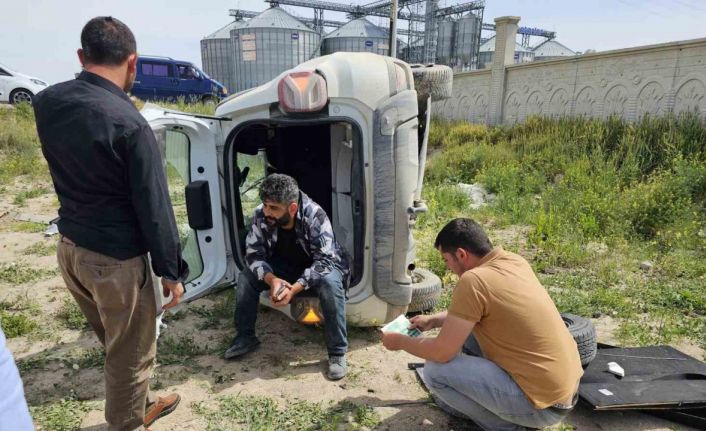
{"type": "Point", "coordinates": [71, 316]}
{"type": "Point", "coordinates": [62, 415]}
{"type": "Point", "coordinates": [599, 198]}
{"type": "Point", "coordinates": [172, 351]}
{"type": "Point", "coordinates": [21, 197]}
{"type": "Point", "coordinates": [27, 227]}
{"type": "Point", "coordinates": [246, 412]}
{"type": "Point", "coordinates": [15, 318]}
{"type": "Point", "coordinates": [40, 249]}
{"type": "Point", "coordinates": [21, 273]}
{"type": "Point", "coordinates": [85, 358]}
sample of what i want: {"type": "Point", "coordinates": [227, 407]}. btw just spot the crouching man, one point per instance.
{"type": "Point", "coordinates": [292, 248]}
{"type": "Point", "coordinates": [520, 366]}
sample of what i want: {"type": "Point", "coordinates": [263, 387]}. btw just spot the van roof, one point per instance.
{"type": "Point", "coordinates": [157, 57]}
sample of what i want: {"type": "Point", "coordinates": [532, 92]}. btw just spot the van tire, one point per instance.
{"type": "Point", "coordinates": [426, 292]}
{"type": "Point", "coordinates": [432, 80]}
{"type": "Point", "coordinates": [584, 334]}
{"type": "Point", "coordinates": [208, 100]}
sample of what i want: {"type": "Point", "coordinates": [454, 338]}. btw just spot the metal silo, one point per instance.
{"type": "Point", "coordinates": [466, 38]}
{"type": "Point", "coordinates": [358, 35]}
{"type": "Point", "coordinates": [217, 55]}
{"type": "Point", "coordinates": [269, 44]}
{"type": "Point", "coordinates": [445, 42]}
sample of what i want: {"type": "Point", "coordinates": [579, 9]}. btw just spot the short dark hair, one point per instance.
{"type": "Point", "coordinates": [107, 40]}
{"type": "Point", "coordinates": [466, 234]}
{"type": "Point", "coordinates": [279, 188]}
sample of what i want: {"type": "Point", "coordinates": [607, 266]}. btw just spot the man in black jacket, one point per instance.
{"type": "Point", "coordinates": [114, 208]}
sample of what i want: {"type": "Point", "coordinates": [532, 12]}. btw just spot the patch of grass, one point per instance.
{"type": "Point", "coordinates": [222, 310]}
{"type": "Point", "coordinates": [21, 197]}
{"type": "Point", "coordinates": [19, 146]}
{"type": "Point", "coordinates": [598, 197]}
{"type": "Point", "coordinates": [71, 316]}
{"type": "Point", "coordinates": [15, 318]}
{"type": "Point", "coordinates": [171, 351]}
{"type": "Point", "coordinates": [33, 363]}
{"type": "Point", "coordinates": [27, 227]}
{"type": "Point", "coordinates": [40, 249]}
{"type": "Point", "coordinates": [21, 273]}
{"type": "Point", "coordinates": [85, 358]}
{"type": "Point", "coordinates": [263, 414]}
{"type": "Point", "coordinates": [16, 324]}
{"type": "Point", "coordinates": [62, 415]}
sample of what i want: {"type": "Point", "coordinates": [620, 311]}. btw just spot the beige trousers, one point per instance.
{"type": "Point", "coordinates": [117, 297]}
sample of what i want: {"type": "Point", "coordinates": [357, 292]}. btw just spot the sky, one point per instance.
{"type": "Point", "coordinates": [40, 37]}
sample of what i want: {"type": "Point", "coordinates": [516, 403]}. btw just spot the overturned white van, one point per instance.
{"type": "Point", "coordinates": [351, 129]}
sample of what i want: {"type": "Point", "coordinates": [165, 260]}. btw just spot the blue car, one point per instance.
{"type": "Point", "coordinates": [163, 78]}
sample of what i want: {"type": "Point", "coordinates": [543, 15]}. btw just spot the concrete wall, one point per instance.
{"type": "Point", "coordinates": [632, 82]}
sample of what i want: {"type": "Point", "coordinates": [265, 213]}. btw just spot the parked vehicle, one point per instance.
{"type": "Point", "coordinates": [163, 78]}
{"type": "Point", "coordinates": [352, 130]}
{"type": "Point", "coordinates": [17, 87]}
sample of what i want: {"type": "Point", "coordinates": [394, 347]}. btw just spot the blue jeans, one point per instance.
{"type": "Point", "coordinates": [332, 298]}
{"type": "Point", "coordinates": [472, 387]}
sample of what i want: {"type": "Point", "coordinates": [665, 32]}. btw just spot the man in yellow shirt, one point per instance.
{"type": "Point", "coordinates": [520, 366]}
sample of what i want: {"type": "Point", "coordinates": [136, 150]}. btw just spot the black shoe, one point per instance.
{"type": "Point", "coordinates": [241, 346]}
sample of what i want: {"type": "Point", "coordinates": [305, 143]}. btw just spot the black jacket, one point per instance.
{"type": "Point", "coordinates": [108, 174]}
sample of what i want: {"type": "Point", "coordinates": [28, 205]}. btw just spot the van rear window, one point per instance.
{"type": "Point", "coordinates": [155, 69]}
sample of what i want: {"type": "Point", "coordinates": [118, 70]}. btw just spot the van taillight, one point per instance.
{"type": "Point", "coordinates": [302, 92]}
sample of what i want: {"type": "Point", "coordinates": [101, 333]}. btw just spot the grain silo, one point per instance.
{"type": "Point", "coordinates": [445, 42]}
{"type": "Point", "coordinates": [466, 40]}
{"type": "Point", "coordinates": [358, 35]}
{"type": "Point", "coordinates": [217, 55]}
{"type": "Point", "coordinates": [269, 44]}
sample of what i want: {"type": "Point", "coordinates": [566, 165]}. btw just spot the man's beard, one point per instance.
{"type": "Point", "coordinates": [129, 81]}
{"type": "Point", "coordinates": [279, 222]}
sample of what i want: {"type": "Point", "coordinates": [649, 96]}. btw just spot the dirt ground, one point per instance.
{"type": "Point", "coordinates": [289, 364]}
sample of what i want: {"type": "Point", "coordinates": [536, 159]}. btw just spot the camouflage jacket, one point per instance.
{"type": "Point", "coordinates": [314, 234]}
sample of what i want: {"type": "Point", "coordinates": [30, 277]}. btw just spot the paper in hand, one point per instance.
{"type": "Point", "coordinates": [401, 326]}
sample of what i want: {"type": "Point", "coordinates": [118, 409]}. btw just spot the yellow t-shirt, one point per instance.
{"type": "Point", "coordinates": [518, 327]}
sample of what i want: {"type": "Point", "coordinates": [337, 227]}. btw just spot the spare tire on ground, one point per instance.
{"type": "Point", "coordinates": [426, 290]}
{"type": "Point", "coordinates": [432, 80]}
{"type": "Point", "coordinates": [584, 334]}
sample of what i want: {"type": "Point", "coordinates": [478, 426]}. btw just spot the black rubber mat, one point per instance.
{"type": "Point", "coordinates": [658, 377]}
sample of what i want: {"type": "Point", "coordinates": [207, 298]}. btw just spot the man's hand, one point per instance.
{"type": "Point", "coordinates": [275, 285]}
{"type": "Point", "coordinates": [393, 340]}
{"type": "Point", "coordinates": [285, 297]}
{"type": "Point", "coordinates": [176, 289]}
{"type": "Point", "coordinates": [423, 322]}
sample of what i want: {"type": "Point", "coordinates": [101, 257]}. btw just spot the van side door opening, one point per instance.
{"type": "Point", "coordinates": [324, 157]}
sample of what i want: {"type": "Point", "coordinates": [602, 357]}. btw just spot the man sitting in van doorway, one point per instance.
{"type": "Point", "coordinates": [520, 366]}
{"type": "Point", "coordinates": [291, 248]}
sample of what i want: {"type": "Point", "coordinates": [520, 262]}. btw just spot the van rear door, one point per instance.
{"type": "Point", "coordinates": [188, 144]}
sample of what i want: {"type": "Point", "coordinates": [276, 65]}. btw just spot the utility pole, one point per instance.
{"type": "Point", "coordinates": [393, 29]}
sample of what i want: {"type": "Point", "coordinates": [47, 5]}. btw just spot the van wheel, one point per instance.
{"type": "Point", "coordinates": [426, 290]}
{"type": "Point", "coordinates": [21, 95]}
{"type": "Point", "coordinates": [208, 100]}
{"type": "Point", "coordinates": [584, 334]}
{"type": "Point", "coordinates": [432, 80]}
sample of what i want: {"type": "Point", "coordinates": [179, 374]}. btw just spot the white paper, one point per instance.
{"type": "Point", "coordinates": [616, 369]}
